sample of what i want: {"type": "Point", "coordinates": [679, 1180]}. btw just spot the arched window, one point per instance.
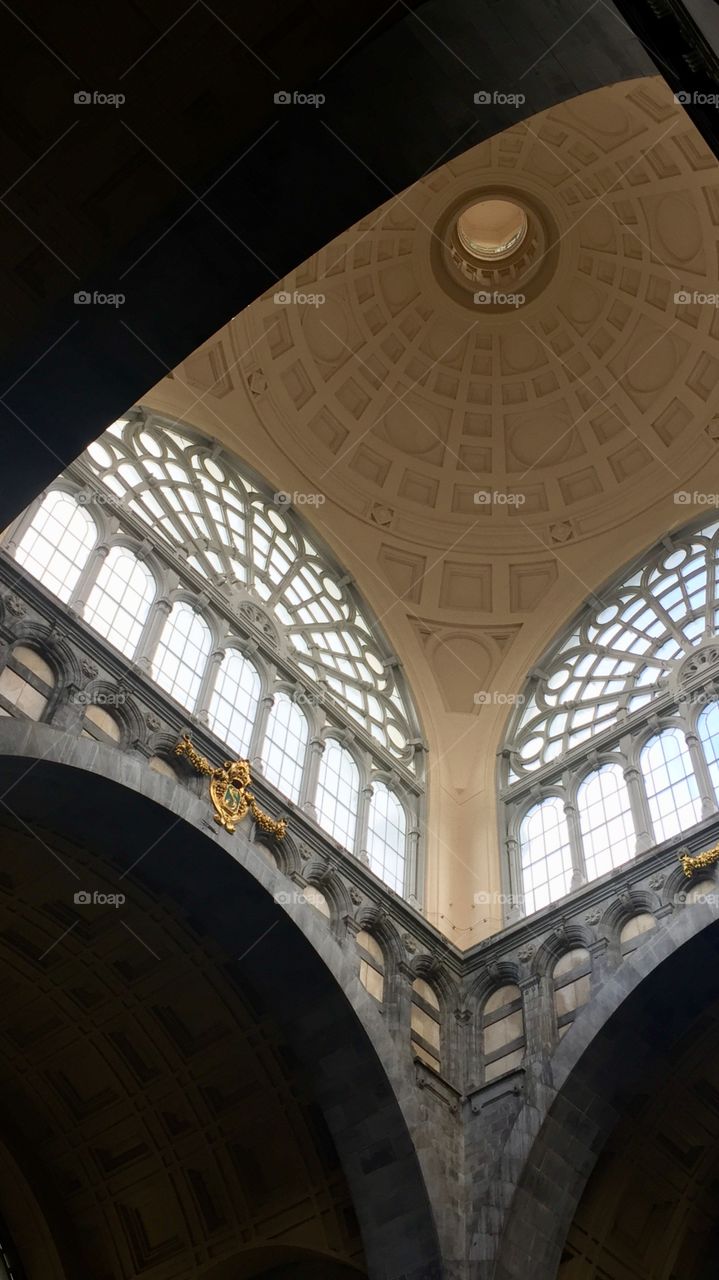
{"type": "Point", "coordinates": [190, 494]}
{"type": "Point", "coordinates": [101, 725]}
{"type": "Point", "coordinates": [502, 1031]}
{"type": "Point", "coordinates": [671, 786]}
{"type": "Point", "coordinates": [181, 655]}
{"type": "Point", "coordinates": [708, 730]}
{"type": "Point", "coordinates": [26, 683]}
{"type": "Point", "coordinates": [426, 1023]}
{"type": "Point", "coordinates": [233, 705]}
{"type": "Point", "coordinates": [120, 599]}
{"type": "Point", "coordinates": [572, 985]}
{"type": "Point", "coordinates": [605, 818]}
{"type": "Point", "coordinates": [284, 747]}
{"type": "Point", "coordinates": [642, 652]}
{"type": "Point", "coordinates": [371, 964]}
{"type": "Point", "coordinates": [55, 547]}
{"type": "Point", "coordinates": [545, 854]}
{"type": "Point", "coordinates": [338, 794]}
{"type": "Point", "coordinates": [387, 836]}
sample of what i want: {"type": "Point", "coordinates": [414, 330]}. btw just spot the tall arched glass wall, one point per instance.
{"type": "Point", "coordinates": [188, 565]}
{"type": "Point", "coordinates": [615, 746]}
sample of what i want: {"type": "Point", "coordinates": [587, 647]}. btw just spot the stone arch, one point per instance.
{"type": "Point", "coordinates": [616, 1040]}
{"type": "Point", "coordinates": [78, 790]}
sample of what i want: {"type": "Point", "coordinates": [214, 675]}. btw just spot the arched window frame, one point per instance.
{"type": "Point", "coordinates": [313, 720]}
{"type": "Point", "coordinates": [559, 792]}
{"type": "Point", "coordinates": [145, 556]}
{"type": "Point", "coordinates": [510, 1048]}
{"type": "Point", "coordinates": [16, 532]}
{"type": "Point", "coordinates": [331, 734]}
{"type": "Point", "coordinates": [231, 640]}
{"type": "Point", "coordinates": [182, 596]}
{"type": "Point", "coordinates": [394, 784]}
{"type": "Point", "coordinates": [667, 723]}
{"type": "Point", "coordinates": [600, 760]}
{"type": "Point", "coordinates": [51, 693]}
{"type": "Point", "coordinates": [688, 679]}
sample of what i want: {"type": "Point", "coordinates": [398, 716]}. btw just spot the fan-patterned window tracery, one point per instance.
{"type": "Point", "coordinates": [635, 678]}
{"type": "Point", "coordinates": [246, 577]}
{"type": "Point", "coordinates": [190, 494]}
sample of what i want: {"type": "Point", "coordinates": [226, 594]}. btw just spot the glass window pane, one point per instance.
{"type": "Point", "coordinates": [338, 794]}
{"type": "Point", "coordinates": [120, 599]}
{"type": "Point", "coordinates": [285, 745]}
{"type": "Point", "coordinates": [179, 662]}
{"type": "Point", "coordinates": [670, 783]}
{"type": "Point", "coordinates": [233, 705]}
{"type": "Point", "coordinates": [544, 850]}
{"type": "Point", "coordinates": [56, 546]}
{"type": "Point", "coordinates": [605, 819]}
{"type": "Point", "coordinates": [708, 728]}
{"type": "Point", "coordinates": [387, 836]}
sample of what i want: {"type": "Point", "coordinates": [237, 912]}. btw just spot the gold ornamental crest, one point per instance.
{"type": "Point", "coordinates": [229, 791]}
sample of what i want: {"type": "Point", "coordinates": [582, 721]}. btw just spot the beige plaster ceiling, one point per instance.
{"type": "Point", "coordinates": [397, 399]}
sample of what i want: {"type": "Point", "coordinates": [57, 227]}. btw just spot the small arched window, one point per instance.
{"type": "Point", "coordinates": [56, 546]}
{"type": "Point", "coordinates": [605, 818]}
{"type": "Point", "coordinates": [120, 599]}
{"type": "Point", "coordinates": [387, 836]}
{"type": "Point", "coordinates": [233, 705]}
{"type": "Point", "coordinates": [181, 655]}
{"type": "Point", "coordinates": [101, 725]}
{"type": "Point", "coordinates": [338, 794]}
{"type": "Point", "coordinates": [634, 930]}
{"type": "Point", "coordinates": [572, 979]}
{"type": "Point", "coordinates": [426, 1023]}
{"type": "Point", "coordinates": [672, 789]}
{"type": "Point", "coordinates": [545, 854]}
{"type": "Point", "coordinates": [26, 683]}
{"type": "Point", "coordinates": [708, 730]}
{"type": "Point", "coordinates": [283, 751]}
{"type": "Point", "coordinates": [502, 1031]}
{"type": "Point", "coordinates": [371, 964]}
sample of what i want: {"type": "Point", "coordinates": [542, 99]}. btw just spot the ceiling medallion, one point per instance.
{"type": "Point", "coordinates": [494, 249]}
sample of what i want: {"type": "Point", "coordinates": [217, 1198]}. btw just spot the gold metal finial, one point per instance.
{"type": "Point", "coordinates": [229, 793]}
{"type": "Point", "coordinates": [699, 861]}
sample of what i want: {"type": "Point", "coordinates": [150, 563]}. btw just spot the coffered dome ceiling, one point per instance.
{"type": "Point", "coordinates": [420, 382]}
